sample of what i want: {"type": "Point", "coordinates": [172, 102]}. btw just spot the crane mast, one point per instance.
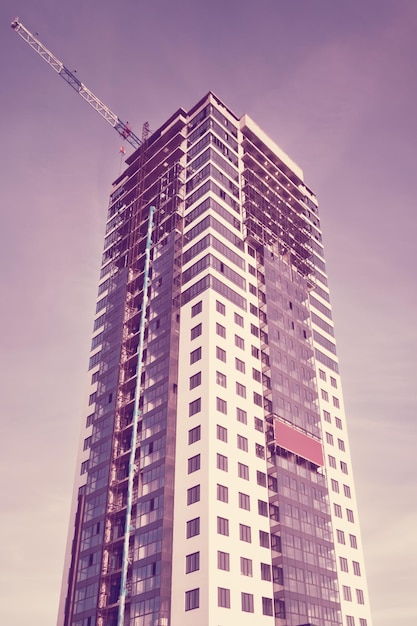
{"type": "Point", "coordinates": [121, 127]}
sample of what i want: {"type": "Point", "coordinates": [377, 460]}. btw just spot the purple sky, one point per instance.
{"type": "Point", "coordinates": [333, 82]}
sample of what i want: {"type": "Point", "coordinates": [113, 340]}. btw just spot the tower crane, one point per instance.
{"type": "Point", "coordinates": [122, 128]}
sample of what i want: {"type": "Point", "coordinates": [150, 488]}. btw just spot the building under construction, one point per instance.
{"type": "Point", "coordinates": [215, 483]}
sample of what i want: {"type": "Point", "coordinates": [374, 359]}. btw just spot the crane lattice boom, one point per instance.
{"type": "Point", "coordinates": [121, 127]}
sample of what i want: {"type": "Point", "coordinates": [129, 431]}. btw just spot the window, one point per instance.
{"type": "Point", "coordinates": [84, 467]}
{"type": "Point", "coordinates": [195, 380]}
{"type": "Point", "coordinates": [241, 390]}
{"type": "Point", "coordinates": [87, 443]}
{"type": "Point", "coordinates": [266, 606]}
{"type": "Point", "coordinates": [222, 463]}
{"type": "Point", "coordinates": [255, 352]}
{"type": "Point", "coordinates": [259, 425]}
{"type": "Point", "coordinates": [344, 467]}
{"type": "Point", "coordinates": [263, 539]}
{"type": "Point", "coordinates": [192, 599]}
{"type": "Point", "coordinates": [341, 444]}
{"type": "Point", "coordinates": [356, 568]}
{"type": "Point", "coordinates": [238, 319]}
{"type": "Point", "coordinates": [243, 471]}
{"type": "Point", "coordinates": [193, 527]}
{"type": "Point", "coordinates": [195, 355]}
{"type": "Point", "coordinates": [196, 308]}
{"type": "Point", "coordinates": [220, 307]}
{"type": "Point", "coordinates": [277, 575]}
{"type": "Point", "coordinates": [92, 398]}
{"type": "Point", "coordinates": [89, 420]}
{"type": "Point", "coordinates": [265, 358]}
{"type": "Point", "coordinates": [324, 395]}
{"type": "Point", "coordinates": [222, 493]}
{"type": "Point", "coordinates": [343, 564]}
{"type": "Point", "coordinates": [223, 526]}
{"type": "Point", "coordinates": [332, 461]}
{"type": "Point", "coordinates": [223, 561]}
{"type": "Point", "coordinates": [350, 516]}
{"type": "Point", "coordinates": [353, 541]}
{"type": "Point", "coordinates": [335, 485]}
{"type": "Point", "coordinates": [223, 597]}
{"type": "Point", "coordinates": [221, 405]}
{"type": "Point", "coordinates": [262, 508]}
{"type": "Point", "coordinates": [242, 443]}
{"type": "Point", "coordinates": [329, 438]}
{"type": "Point", "coordinates": [196, 331]}
{"type": "Point", "coordinates": [99, 322]}
{"type": "Point", "coordinates": [220, 330]}
{"type": "Point", "coordinates": [322, 375]}
{"type": "Point", "coordinates": [359, 596]}
{"type": "Point", "coordinates": [326, 416]}
{"type": "Point", "coordinates": [338, 422]}
{"type": "Point", "coordinates": [251, 270]}
{"type": "Point", "coordinates": [336, 402]}
{"type": "Point", "coordinates": [194, 435]}
{"type": "Point", "coordinates": [265, 571]}
{"type": "Point", "coordinates": [350, 620]}
{"type": "Point", "coordinates": [276, 543]}
{"type": "Point", "coordinates": [273, 484]}
{"type": "Point", "coordinates": [254, 330]}
{"type": "Point", "coordinates": [256, 375]}
{"type": "Point", "coordinates": [346, 490]}
{"type": "Point", "coordinates": [245, 566]}
{"type": "Point", "coordinates": [347, 593]}
{"type": "Point", "coordinates": [267, 381]}
{"type": "Point", "coordinates": [239, 342]}
{"type": "Point", "coordinates": [221, 433]}
{"type": "Point", "coordinates": [244, 501]}
{"type": "Point", "coordinates": [94, 377]}
{"type": "Point", "coordinates": [193, 494]}
{"type": "Point", "coordinates": [257, 398]}
{"type": "Point", "coordinates": [241, 416]}
{"type": "Point", "coordinates": [340, 536]}
{"type": "Point", "coordinates": [240, 365]}
{"type": "Point", "coordinates": [259, 451]}
{"type": "Point", "coordinates": [337, 510]}
{"type": "Point", "coordinates": [252, 289]}
{"type": "Point", "coordinates": [221, 379]}
{"type": "Point", "coordinates": [194, 407]}
{"type": "Point", "coordinates": [101, 304]}
{"type": "Point", "coordinates": [253, 309]}
{"type": "Point", "coordinates": [193, 463]}
{"type": "Point", "coordinates": [333, 382]}
{"type": "Point", "coordinates": [192, 562]}
{"type": "Point", "coordinates": [362, 622]}
{"type": "Point", "coordinates": [245, 533]}
{"type": "Point", "coordinates": [274, 512]}
{"type": "Point", "coordinates": [221, 354]}
{"type": "Point", "coordinates": [261, 478]}
{"type": "Point", "coordinates": [247, 602]}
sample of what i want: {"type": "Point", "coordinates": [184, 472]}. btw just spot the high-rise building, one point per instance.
{"type": "Point", "coordinates": [215, 483]}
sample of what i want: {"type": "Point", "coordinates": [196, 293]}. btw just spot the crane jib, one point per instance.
{"type": "Point", "coordinates": [121, 127]}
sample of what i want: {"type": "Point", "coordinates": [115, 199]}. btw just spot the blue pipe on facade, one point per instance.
{"type": "Point", "coordinates": [136, 415]}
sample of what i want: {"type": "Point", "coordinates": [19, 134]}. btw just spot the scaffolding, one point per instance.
{"type": "Point", "coordinates": [150, 186]}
